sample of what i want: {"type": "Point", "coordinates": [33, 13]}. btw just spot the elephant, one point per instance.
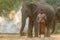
{"type": "Point", "coordinates": [31, 10]}
{"type": "Point", "coordinates": [58, 13]}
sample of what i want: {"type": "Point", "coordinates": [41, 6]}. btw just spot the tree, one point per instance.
{"type": "Point", "coordinates": [8, 5]}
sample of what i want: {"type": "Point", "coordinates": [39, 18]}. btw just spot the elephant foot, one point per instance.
{"type": "Point", "coordinates": [46, 35]}
{"type": "Point", "coordinates": [30, 36]}
{"type": "Point", "coordinates": [22, 34]}
{"type": "Point", "coordinates": [36, 35]}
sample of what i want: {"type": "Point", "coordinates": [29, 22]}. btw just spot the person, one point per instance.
{"type": "Point", "coordinates": [41, 18]}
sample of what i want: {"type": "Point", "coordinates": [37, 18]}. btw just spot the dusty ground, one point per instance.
{"type": "Point", "coordinates": [17, 37]}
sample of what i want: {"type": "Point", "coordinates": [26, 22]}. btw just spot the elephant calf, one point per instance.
{"type": "Point", "coordinates": [41, 18]}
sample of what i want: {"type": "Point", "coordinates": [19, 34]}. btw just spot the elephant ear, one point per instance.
{"type": "Point", "coordinates": [33, 7]}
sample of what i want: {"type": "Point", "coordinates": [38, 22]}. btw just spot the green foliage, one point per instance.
{"type": "Point", "coordinates": [54, 3]}
{"type": "Point", "coordinates": [8, 5]}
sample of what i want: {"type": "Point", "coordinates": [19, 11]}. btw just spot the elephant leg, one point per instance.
{"type": "Point", "coordinates": [53, 25]}
{"type": "Point", "coordinates": [36, 28]}
{"type": "Point", "coordinates": [30, 27]}
{"type": "Point", "coordinates": [48, 30]}
{"type": "Point", "coordinates": [23, 25]}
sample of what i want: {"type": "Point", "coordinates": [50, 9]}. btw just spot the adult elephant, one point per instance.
{"type": "Point", "coordinates": [31, 10]}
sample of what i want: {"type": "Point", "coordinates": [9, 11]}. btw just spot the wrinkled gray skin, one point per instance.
{"type": "Point", "coordinates": [31, 10]}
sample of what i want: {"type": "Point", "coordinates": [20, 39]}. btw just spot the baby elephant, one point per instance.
{"type": "Point", "coordinates": [41, 19]}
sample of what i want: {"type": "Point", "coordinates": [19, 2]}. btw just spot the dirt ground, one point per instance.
{"type": "Point", "coordinates": [18, 37]}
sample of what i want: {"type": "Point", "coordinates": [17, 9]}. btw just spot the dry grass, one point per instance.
{"type": "Point", "coordinates": [17, 37]}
